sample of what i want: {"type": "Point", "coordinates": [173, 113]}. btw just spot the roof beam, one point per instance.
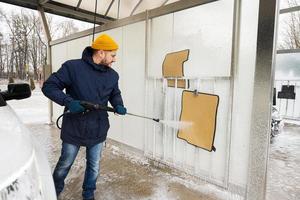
{"type": "Point", "coordinates": [135, 7]}
{"type": "Point", "coordinates": [177, 6]}
{"type": "Point", "coordinates": [109, 7]}
{"type": "Point", "coordinates": [45, 24]}
{"type": "Point", "coordinates": [70, 11]}
{"type": "Point", "coordinates": [291, 9]}
{"type": "Point", "coordinates": [41, 2]}
{"type": "Point", "coordinates": [62, 10]}
{"type": "Point", "coordinates": [164, 3]}
{"type": "Point", "coordinates": [78, 4]}
{"type": "Point", "coordinates": [118, 16]}
{"type": "Point", "coordinates": [281, 51]}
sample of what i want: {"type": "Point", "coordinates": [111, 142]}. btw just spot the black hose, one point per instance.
{"type": "Point", "coordinates": [59, 119]}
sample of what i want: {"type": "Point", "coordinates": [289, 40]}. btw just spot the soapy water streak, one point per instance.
{"type": "Point", "coordinates": [177, 124]}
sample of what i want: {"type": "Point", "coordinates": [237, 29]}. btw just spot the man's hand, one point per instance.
{"type": "Point", "coordinates": [75, 107]}
{"type": "Point", "coordinates": [121, 110]}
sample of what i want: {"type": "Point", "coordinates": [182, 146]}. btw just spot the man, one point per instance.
{"type": "Point", "coordinates": [91, 79]}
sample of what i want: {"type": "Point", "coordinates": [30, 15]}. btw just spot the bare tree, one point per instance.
{"type": "Point", "coordinates": [1, 56]}
{"type": "Point", "coordinates": [64, 29]}
{"type": "Point", "coordinates": [38, 50]}
{"type": "Point", "coordinates": [291, 32]}
{"type": "Point", "coordinates": [24, 48]}
{"type": "Point", "coordinates": [1, 51]}
{"type": "Point", "coordinates": [68, 27]}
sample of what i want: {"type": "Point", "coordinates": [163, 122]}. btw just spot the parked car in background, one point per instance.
{"type": "Point", "coordinates": [24, 170]}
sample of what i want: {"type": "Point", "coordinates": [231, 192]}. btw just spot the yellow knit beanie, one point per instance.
{"type": "Point", "coordinates": [104, 42]}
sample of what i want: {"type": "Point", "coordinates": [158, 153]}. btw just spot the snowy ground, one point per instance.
{"type": "Point", "coordinates": [125, 175]}
{"type": "Point", "coordinates": [284, 165]}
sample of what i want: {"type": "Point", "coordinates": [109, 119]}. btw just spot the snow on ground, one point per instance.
{"type": "Point", "coordinates": [30, 110]}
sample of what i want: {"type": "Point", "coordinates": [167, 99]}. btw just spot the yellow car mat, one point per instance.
{"type": "Point", "coordinates": [173, 63]}
{"type": "Point", "coordinates": [180, 83]}
{"type": "Point", "coordinates": [199, 110]}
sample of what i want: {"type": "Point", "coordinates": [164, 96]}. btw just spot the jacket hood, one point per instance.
{"type": "Point", "coordinates": [87, 57]}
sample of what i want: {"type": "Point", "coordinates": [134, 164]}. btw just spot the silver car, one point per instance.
{"type": "Point", "coordinates": [24, 170]}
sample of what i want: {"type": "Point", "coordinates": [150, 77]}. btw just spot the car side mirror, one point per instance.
{"type": "Point", "coordinates": [16, 91]}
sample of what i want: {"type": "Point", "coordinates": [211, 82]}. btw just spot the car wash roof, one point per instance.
{"type": "Point", "coordinates": [84, 10]}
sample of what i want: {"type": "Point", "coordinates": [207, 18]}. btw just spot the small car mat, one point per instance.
{"type": "Point", "coordinates": [173, 67]}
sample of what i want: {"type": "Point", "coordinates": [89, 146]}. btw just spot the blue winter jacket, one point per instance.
{"type": "Point", "coordinates": [86, 81]}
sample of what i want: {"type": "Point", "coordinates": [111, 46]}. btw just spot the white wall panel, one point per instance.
{"type": "Point", "coordinates": [161, 34]}
{"type": "Point", "coordinates": [207, 31]}
{"type": "Point", "coordinates": [133, 77]}
{"type": "Point", "coordinates": [185, 30]}
{"type": "Point", "coordinates": [219, 158]}
{"type": "Point", "coordinates": [76, 47]}
{"type": "Point", "coordinates": [210, 55]}
{"type": "Point", "coordinates": [155, 99]}
{"type": "Point", "coordinates": [243, 92]}
{"type": "Point", "coordinates": [59, 55]}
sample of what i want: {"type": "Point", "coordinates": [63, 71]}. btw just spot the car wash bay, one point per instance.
{"type": "Point", "coordinates": [230, 47]}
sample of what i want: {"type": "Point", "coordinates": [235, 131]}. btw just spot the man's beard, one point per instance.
{"type": "Point", "coordinates": [105, 63]}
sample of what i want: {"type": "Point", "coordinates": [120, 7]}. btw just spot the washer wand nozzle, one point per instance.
{"type": "Point", "coordinates": [157, 120]}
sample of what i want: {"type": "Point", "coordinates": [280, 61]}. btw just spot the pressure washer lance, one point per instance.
{"type": "Point", "coordinates": [90, 107]}
{"type": "Point", "coordinates": [157, 120]}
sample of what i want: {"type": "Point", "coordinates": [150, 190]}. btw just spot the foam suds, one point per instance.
{"type": "Point", "coordinates": [176, 124]}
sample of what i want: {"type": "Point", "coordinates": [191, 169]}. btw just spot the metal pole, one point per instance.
{"type": "Point", "coordinates": [49, 54]}
{"type": "Point", "coordinates": [174, 118]}
{"type": "Point", "coordinates": [234, 61]}
{"type": "Point", "coordinates": [262, 97]}
{"type": "Point", "coordinates": [165, 86]}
